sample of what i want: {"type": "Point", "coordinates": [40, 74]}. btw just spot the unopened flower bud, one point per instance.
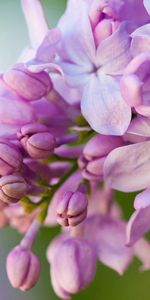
{"type": "Point", "coordinates": [37, 140]}
{"type": "Point", "coordinates": [95, 153]}
{"type": "Point", "coordinates": [23, 268]}
{"type": "Point", "coordinates": [10, 158]}
{"type": "Point", "coordinates": [31, 86]}
{"type": "Point", "coordinates": [73, 266]}
{"type": "Point", "coordinates": [104, 29]}
{"type": "Point", "coordinates": [12, 188]}
{"type": "Point", "coordinates": [72, 209]}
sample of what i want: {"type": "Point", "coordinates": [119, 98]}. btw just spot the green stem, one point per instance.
{"type": "Point", "coordinates": [65, 176]}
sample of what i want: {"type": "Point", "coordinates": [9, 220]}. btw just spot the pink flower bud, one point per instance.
{"type": "Point", "coordinates": [95, 153]}
{"type": "Point", "coordinates": [37, 140]}
{"type": "Point", "coordinates": [12, 188]}
{"type": "Point", "coordinates": [10, 158]}
{"type": "Point", "coordinates": [72, 209]}
{"type": "Point", "coordinates": [104, 29]}
{"type": "Point", "coordinates": [23, 268]}
{"type": "Point", "coordinates": [106, 9]}
{"type": "Point", "coordinates": [31, 86]}
{"type": "Point", "coordinates": [73, 266]}
{"type": "Point", "coordinates": [102, 16]}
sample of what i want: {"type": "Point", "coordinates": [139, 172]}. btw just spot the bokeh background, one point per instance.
{"type": "Point", "coordinates": [134, 285]}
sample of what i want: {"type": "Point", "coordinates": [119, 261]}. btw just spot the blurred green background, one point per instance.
{"type": "Point", "coordinates": [107, 284]}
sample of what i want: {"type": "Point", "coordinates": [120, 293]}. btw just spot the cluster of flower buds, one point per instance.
{"type": "Point", "coordinates": [74, 125]}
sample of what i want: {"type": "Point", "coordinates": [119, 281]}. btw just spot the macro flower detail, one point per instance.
{"type": "Point", "coordinates": [74, 130]}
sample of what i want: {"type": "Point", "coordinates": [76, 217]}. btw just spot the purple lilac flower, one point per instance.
{"type": "Point", "coordinates": [74, 126]}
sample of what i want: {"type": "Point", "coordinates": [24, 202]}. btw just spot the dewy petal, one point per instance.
{"type": "Point", "coordinates": [113, 62]}
{"type": "Point", "coordinates": [140, 40]}
{"type": "Point", "coordinates": [138, 225]}
{"type": "Point", "coordinates": [35, 20]}
{"type": "Point", "coordinates": [128, 168]}
{"type": "Point", "coordinates": [78, 43]}
{"type": "Point", "coordinates": [147, 5]}
{"type": "Point", "coordinates": [103, 107]}
{"type": "Point", "coordinates": [140, 126]}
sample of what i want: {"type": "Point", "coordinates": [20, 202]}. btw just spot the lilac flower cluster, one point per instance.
{"type": "Point", "coordinates": [75, 127]}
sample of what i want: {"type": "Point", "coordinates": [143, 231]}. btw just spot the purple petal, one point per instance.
{"type": "Point", "coordinates": [78, 35]}
{"type": "Point", "coordinates": [110, 241]}
{"type": "Point", "coordinates": [141, 40]}
{"type": "Point", "coordinates": [142, 251]}
{"type": "Point", "coordinates": [147, 5]}
{"type": "Point", "coordinates": [133, 10]}
{"type": "Point", "coordinates": [35, 20]}
{"type": "Point", "coordinates": [109, 237]}
{"type": "Point", "coordinates": [128, 168]}
{"type": "Point", "coordinates": [76, 75]}
{"type": "Point", "coordinates": [71, 95]}
{"type": "Point", "coordinates": [113, 62]}
{"type": "Point", "coordinates": [15, 111]}
{"type": "Point", "coordinates": [138, 225]}
{"type": "Point", "coordinates": [142, 200]}
{"type": "Point", "coordinates": [48, 47]}
{"type": "Point", "coordinates": [9, 131]}
{"type": "Point", "coordinates": [36, 67]}
{"type": "Point", "coordinates": [140, 126]}
{"type": "Point", "coordinates": [103, 107]}
{"type": "Point", "coordinates": [60, 292]}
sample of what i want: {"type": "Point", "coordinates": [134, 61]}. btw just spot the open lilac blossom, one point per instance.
{"type": "Point", "coordinates": [90, 63]}
{"type": "Point", "coordinates": [75, 127]}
